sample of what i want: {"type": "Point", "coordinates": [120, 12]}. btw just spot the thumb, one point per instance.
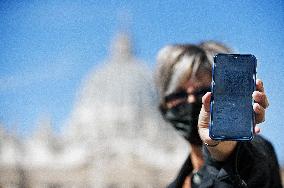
{"type": "Point", "coordinates": [206, 102]}
{"type": "Point", "coordinates": [204, 116]}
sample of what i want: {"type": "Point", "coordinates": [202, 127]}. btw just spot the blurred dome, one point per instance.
{"type": "Point", "coordinates": [118, 95]}
{"type": "Point", "coordinates": [117, 120]}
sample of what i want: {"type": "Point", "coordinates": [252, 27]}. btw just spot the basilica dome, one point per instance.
{"type": "Point", "coordinates": [116, 116]}
{"type": "Point", "coordinates": [117, 98]}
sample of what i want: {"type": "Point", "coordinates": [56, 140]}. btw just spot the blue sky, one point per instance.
{"type": "Point", "coordinates": [47, 47]}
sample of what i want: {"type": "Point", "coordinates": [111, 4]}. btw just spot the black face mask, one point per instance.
{"type": "Point", "coordinates": [184, 118]}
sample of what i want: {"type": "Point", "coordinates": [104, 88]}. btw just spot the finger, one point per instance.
{"type": "Point", "coordinates": [259, 85]}
{"type": "Point", "coordinates": [259, 113]}
{"type": "Point", "coordinates": [204, 116]}
{"type": "Point", "coordinates": [260, 98]}
{"type": "Point", "coordinates": [206, 102]}
{"type": "Point", "coordinates": [256, 129]}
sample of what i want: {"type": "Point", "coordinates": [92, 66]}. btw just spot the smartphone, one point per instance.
{"type": "Point", "coordinates": [231, 106]}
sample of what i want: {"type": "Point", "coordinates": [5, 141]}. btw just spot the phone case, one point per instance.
{"type": "Point", "coordinates": [231, 105]}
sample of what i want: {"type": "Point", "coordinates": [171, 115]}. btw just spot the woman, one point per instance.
{"type": "Point", "coordinates": [183, 79]}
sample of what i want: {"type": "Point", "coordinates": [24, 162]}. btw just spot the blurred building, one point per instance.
{"type": "Point", "coordinates": [114, 137]}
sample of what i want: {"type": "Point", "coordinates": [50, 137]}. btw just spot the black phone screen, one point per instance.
{"type": "Point", "coordinates": [233, 82]}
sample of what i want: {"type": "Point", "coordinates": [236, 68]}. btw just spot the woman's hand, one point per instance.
{"type": "Point", "coordinates": [261, 103]}
{"type": "Point", "coordinates": [222, 150]}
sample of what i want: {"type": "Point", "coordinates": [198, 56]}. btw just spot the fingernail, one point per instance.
{"type": "Point", "coordinates": [261, 83]}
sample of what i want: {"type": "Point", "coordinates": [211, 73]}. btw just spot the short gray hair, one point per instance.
{"type": "Point", "coordinates": [180, 62]}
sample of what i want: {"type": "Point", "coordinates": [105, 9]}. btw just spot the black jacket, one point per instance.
{"type": "Point", "coordinates": [253, 165]}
